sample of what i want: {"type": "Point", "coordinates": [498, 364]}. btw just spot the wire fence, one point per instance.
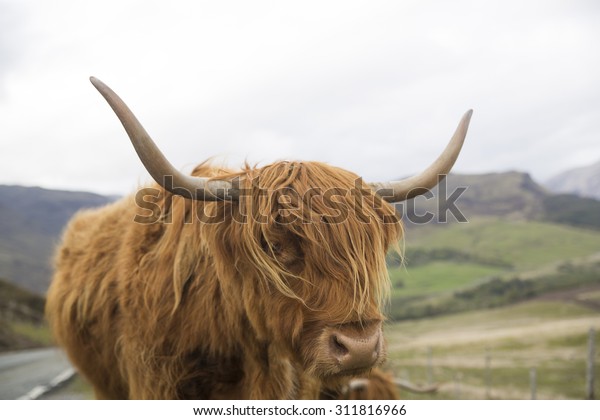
{"type": "Point", "coordinates": [494, 375]}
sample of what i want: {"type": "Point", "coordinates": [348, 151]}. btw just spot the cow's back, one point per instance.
{"type": "Point", "coordinates": [82, 304]}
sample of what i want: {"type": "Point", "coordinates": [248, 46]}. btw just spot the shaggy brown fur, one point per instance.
{"type": "Point", "coordinates": [223, 299]}
{"type": "Point", "coordinates": [377, 385]}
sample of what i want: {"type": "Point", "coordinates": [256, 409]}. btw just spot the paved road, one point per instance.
{"type": "Point", "coordinates": [22, 371]}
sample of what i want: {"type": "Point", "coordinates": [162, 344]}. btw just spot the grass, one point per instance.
{"type": "Point", "coordinates": [437, 277]}
{"type": "Point", "coordinates": [465, 257]}
{"type": "Point", "coordinates": [551, 337]}
{"type": "Point", "coordinates": [526, 245]}
{"type": "Point", "coordinates": [36, 333]}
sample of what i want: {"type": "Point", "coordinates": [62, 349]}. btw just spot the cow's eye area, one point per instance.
{"type": "Point", "coordinates": [272, 247]}
{"type": "Point", "coordinates": [286, 250]}
{"type": "Point", "coordinates": [277, 248]}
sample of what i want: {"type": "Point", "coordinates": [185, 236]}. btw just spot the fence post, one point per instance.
{"type": "Point", "coordinates": [590, 364]}
{"type": "Point", "coordinates": [429, 366]}
{"type": "Point", "coordinates": [457, 381]}
{"type": "Point", "coordinates": [533, 381]}
{"type": "Point", "coordinates": [488, 374]}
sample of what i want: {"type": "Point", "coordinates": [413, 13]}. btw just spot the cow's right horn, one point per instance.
{"type": "Point", "coordinates": [155, 162]}
{"type": "Point", "coordinates": [395, 191]}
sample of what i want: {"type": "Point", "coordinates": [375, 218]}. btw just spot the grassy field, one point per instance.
{"type": "Point", "coordinates": [525, 245]}
{"type": "Point", "coordinates": [550, 336]}
{"type": "Point", "coordinates": [443, 260]}
{"type": "Point", "coordinates": [437, 277]}
{"type": "Point", "coordinates": [36, 333]}
{"type": "Point", "coordinates": [548, 333]}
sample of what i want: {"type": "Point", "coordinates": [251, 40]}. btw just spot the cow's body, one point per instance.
{"type": "Point", "coordinates": [160, 310]}
{"type": "Point", "coordinates": [270, 288]}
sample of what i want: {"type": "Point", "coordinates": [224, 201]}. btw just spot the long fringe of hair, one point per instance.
{"type": "Point", "coordinates": [345, 230]}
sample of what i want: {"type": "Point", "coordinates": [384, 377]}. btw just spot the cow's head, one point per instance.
{"type": "Point", "coordinates": [309, 244]}
{"type": "Point", "coordinates": [299, 246]}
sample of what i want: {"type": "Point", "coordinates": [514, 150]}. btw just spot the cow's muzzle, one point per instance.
{"type": "Point", "coordinates": [354, 347]}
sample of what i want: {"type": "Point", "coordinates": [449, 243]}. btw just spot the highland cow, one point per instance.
{"type": "Point", "coordinates": [261, 283]}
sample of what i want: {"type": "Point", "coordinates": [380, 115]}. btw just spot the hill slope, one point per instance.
{"type": "Point", "coordinates": [509, 195]}
{"type": "Point", "coordinates": [520, 244]}
{"type": "Point", "coordinates": [31, 221]}
{"type": "Point", "coordinates": [490, 262]}
{"type": "Point", "coordinates": [21, 318]}
{"type": "Point", "coordinates": [513, 195]}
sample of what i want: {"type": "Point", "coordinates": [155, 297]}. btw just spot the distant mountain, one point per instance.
{"type": "Point", "coordinates": [584, 181]}
{"type": "Point", "coordinates": [509, 195]}
{"type": "Point", "coordinates": [31, 221]}
{"type": "Point", "coordinates": [512, 195]}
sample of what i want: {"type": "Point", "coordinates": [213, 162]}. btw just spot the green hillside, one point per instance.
{"type": "Point", "coordinates": [437, 277]}
{"type": "Point", "coordinates": [522, 244]}
{"type": "Point", "coordinates": [489, 262]}
{"type": "Point", "coordinates": [572, 210]}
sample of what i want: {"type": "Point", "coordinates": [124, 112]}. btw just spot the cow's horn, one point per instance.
{"type": "Point", "coordinates": [155, 162]}
{"type": "Point", "coordinates": [395, 191]}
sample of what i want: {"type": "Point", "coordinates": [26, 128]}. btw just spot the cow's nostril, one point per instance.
{"type": "Point", "coordinates": [337, 348]}
{"type": "Point", "coordinates": [353, 350]}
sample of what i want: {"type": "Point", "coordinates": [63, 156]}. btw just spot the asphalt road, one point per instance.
{"type": "Point", "coordinates": [23, 371]}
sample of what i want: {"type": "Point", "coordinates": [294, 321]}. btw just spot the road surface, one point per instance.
{"type": "Point", "coordinates": [23, 371]}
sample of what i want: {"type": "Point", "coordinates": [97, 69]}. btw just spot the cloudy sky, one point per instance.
{"type": "Point", "coordinates": [376, 87]}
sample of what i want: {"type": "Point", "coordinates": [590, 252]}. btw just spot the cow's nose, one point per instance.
{"type": "Point", "coordinates": [356, 349]}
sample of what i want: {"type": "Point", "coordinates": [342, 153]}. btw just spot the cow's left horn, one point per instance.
{"type": "Point", "coordinates": [395, 191]}
{"type": "Point", "coordinates": [157, 164]}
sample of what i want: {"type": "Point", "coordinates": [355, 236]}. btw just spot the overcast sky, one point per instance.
{"type": "Point", "coordinates": [376, 87]}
